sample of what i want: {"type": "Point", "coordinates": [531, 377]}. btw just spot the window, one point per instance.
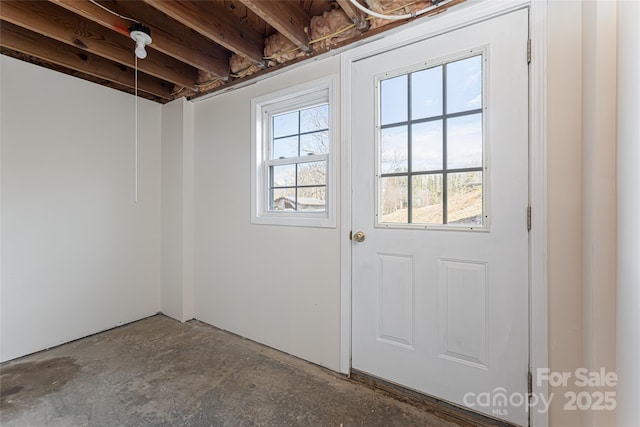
{"type": "Point", "coordinates": [430, 155]}
{"type": "Point", "coordinates": [293, 156]}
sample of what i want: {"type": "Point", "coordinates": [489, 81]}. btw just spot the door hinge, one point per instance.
{"type": "Point", "coordinates": [528, 51]}
{"type": "Point", "coordinates": [528, 218]}
{"type": "Point", "coordinates": [529, 383]}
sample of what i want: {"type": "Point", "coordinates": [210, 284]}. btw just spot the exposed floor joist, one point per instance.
{"type": "Point", "coordinates": [355, 14]}
{"type": "Point", "coordinates": [285, 16]}
{"type": "Point", "coordinates": [20, 40]}
{"type": "Point", "coordinates": [198, 47]}
{"type": "Point", "coordinates": [181, 43]}
{"type": "Point", "coordinates": [69, 28]}
{"type": "Point", "coordinates": [208, 19]}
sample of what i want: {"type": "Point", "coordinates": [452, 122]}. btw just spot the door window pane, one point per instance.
{"type": "Point", "coordinates": [426, 93]}
{"type": "Point", "coordinates": [426, 207]}
{"type": "Point", "coordinates": [394, 197]}
{"type": "Point", "coordinates": [394, 155]}
{"type": "Point", "coordinates": [426, 146]}
{"type": "Point", "coordinates": [464, 85]}
{"type": "Point", "coordinates": [417, 185]}
{"type": "Point", "coordinates": [393, 94]}
{"type": "Point", "coordinates": [464, 202]}
{"type": "Point", "coordinates": [464, 142]}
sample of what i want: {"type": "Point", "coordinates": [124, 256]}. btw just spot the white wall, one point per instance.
{"type": "Point", "coordinates": [628, 327]}
{"type": "Point", "coordinates": [581, 141]}
{"type": "Point", "coordinates": [78, 255]}
{"type": "Point", "coordinates": [177, 296]}
{"type": "Point", "coordinates": [276, 285]}
{"type": "Point", "coordinates": [599, 70]}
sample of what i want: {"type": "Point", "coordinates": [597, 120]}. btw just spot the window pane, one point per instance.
{"type": "Point", "coordinates": [426, 146]}
{"type": "Point", "coordinates": [314, 143]}
{"type": "Point", "coordinates": [312, 199]}
{"type": "Point", "coordinates": [393, 94]}
{"type": "Point", "coordinates": [426, 93]}
{"type": "Point", "coordinates": [464, 142]}
{"type": "Point", "coordinates": [316, 118]}
{"type": "Point", "coordinates": [394, 150]}
{"type": "Point", "coordinates": [285, 124]}
{"type": "Point", "coordinates": [394, 199]}
{"type": "Point", "coordinates": [464, 198]}
{"type": "Point", "coordinates": [283, 199]}
{"type": "Point", "coordinates": [314, 173]}
{"type": "Point", "coordinates": [285, 147]}
{"type": "Point", "coordinates": [283, 176]}
{"type": "Point", "coordinates": [426, 197]}
{"type": "Point", "coordinates": [464, 84]}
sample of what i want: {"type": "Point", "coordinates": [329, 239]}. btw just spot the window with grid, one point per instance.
{"type": "Point", "coordinates": [297, 166]}
{"type": "Point", "coordinates": [293, 156]}
{"type": "Point", "coordinates": [430, 168]}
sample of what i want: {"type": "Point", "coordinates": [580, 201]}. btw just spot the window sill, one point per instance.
{"type": "Point", "coordinates": [295, 220]}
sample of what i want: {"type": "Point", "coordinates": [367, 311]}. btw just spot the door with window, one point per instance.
{"type": "Point", "coordinates": [440, 195]}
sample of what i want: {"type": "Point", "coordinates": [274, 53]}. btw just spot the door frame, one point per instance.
{"type": "Point", "coordinates": [461, 16]}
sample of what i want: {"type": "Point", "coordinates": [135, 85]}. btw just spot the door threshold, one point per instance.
{"type": "Point", "coordinates": [440, 408]}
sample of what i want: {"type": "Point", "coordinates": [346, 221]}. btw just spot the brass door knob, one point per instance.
{"type": "Point", "coordinates": [359, 236]}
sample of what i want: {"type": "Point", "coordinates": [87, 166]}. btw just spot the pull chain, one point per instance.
{"type": "Point", "coordinates": [136, 133]}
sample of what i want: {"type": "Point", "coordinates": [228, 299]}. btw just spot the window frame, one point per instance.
{"type": "Point", "coordinates": [483, 51]}
{"type": "Point", "coordinates": [263, 108]}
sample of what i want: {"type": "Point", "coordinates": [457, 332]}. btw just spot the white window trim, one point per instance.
{"type": "Point", "coordinates": [296, 96]}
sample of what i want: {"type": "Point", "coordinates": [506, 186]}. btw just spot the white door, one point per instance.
{"type": "Point", "coordinates": [440, 192]}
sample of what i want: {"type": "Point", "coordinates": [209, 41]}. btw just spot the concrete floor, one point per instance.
{"type": "Point", "coordinates": [159, 372]}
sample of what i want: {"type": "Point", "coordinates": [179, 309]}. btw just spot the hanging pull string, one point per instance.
{"type": "Point", "coordinates": [136, 132]}
{"type": "Point", "coordinates": [112, 12]}
{"type": "Point", "coordinates": [135, 73]}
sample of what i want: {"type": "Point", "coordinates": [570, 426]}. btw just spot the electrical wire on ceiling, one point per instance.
{"type": "Point", "coordinates": [372, 15]}
{"type": "Point", "coordinates": [112, 12]}
{"type": "Point", "coordinates": [243, 73]}
{"type": "Point", "coordinates": [370, 12]}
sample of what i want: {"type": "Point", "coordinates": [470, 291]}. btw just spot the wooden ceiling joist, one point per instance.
{"type": "Point", "coordinates": [285, 16]}
{"type": "Point", "coordinates": [356, 16]}
{"type": "Point", "coordinates": [180, 42]}
{"type": "Point", "coordinates": [195, 42]}
{"type": "Point", "coordinates": [30, 43]}
{"type": "Point", "coordinates": [212, 21]}
{"type": "Point", "coordinates": [66, 27]}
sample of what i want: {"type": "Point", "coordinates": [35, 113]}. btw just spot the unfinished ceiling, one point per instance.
{"type": "Point", "coordinates": [198, 46]}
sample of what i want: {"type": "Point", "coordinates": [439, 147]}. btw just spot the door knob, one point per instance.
{"type": "Point", "coordinates": [359, 236]}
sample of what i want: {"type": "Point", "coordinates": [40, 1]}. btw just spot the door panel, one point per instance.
{"type": "Point", "coordinates": [443, 309]}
